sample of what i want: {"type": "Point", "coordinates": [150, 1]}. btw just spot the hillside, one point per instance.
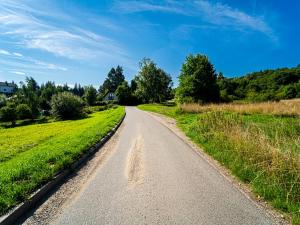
{"type": "Point", "coordinates": [283, 83]}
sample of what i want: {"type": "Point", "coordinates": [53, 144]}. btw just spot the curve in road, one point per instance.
{"type": "Point", "coordinates": [153, 177]}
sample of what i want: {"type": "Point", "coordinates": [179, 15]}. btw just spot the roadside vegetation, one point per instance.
{"type": "Point", "coordinates": [250, 124]}
{"type": "Point", "coordinates": [267, 85]}
{"type": "Point", "coordinates": [262, 149]}
{"type": "Point", "coordinates": [259, 142]}
{"type": "Point", "coordinates": [282, 108]}
{"type": "Point", "coordinates": [32, 155]}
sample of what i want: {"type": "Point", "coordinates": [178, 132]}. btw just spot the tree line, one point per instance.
{"type": "Point", "coordinates": [198, 82]}
{"type": "Point", "coordinates": [266, 85]}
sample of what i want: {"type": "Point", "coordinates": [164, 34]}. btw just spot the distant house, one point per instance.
{"type": "Point", "coordinates": [110, 96]}
{"type": "Point", "coordinates": [6, 88]}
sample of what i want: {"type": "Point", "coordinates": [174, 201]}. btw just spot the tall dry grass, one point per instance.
{"type": "Point", "coordinates": [245, 148]}
{"type": "Point", "coordinates": [261, 150]}
{"type": "Point", "coordinates": [283, 108]}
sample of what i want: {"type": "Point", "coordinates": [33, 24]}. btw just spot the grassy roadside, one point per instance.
{"type": "Point", "coordinates": [259, 148]}
{"type": "Point", "coordinates": [32, 155]}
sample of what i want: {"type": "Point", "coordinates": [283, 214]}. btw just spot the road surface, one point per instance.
{"type": "Point", "coordinates": [153, 177]}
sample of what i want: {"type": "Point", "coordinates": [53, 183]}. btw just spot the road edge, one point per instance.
{"type": "Point", "coordinates": [224, 172]}
{"type": "Point", "coordinates": [18, 211]}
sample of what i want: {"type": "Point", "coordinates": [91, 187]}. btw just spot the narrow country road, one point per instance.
{"type": "Point", "coordinates": [153, 177]}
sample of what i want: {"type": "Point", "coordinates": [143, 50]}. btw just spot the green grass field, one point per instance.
{"type": "Point", "coordinates": [260, 149]}
{"type": "Point", "coordinates": [31, 155]}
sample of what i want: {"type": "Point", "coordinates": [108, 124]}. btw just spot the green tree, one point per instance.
{"type": "Point", "coordinates": [8, 114]}
{"type": "Point", "coordinates": [47, 91]}
{"type": "Point", "coordinates": [90, 95]}
{"type": "Point", "coordinates": [23, 111]}
{"type": "Point", "coordinates": [153, 84]}
{"type": "Point", "coordinates": [29, 94]}
{"type": "Point", "coordinates": [78, 90]}
{"type": "Point", "coordinates": [114, 78]}
{"type": "Point", "coordinates": [3, 100]}
{"type": "Point", "coordinates": [66, 105]}
{"type": "Point", "coordinates": [133, 85]}
{"type": "Point", "coordinates": [289, 92]}
{"type": "Point", "coordinates": [123, 93]}
{"type": "Point", "coordinates": [197, 81]}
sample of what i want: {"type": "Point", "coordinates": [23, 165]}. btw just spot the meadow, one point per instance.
{"type": "Point", "coordinates": [32, 155]}
{"type": "Point", "coordinates": [282, 108]}
{"type": "Point", "coordinates": [258, 143]}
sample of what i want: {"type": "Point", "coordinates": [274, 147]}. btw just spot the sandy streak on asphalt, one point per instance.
{"type": "Point", "coordinates": [135, 167]}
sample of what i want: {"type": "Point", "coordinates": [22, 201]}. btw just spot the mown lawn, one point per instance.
{"type": "Point", "coordinates": [262, 150]}
{"type": "Point", "coordinates": [31, 155]}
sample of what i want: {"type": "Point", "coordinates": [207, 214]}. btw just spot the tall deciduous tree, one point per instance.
{"type": "Point", "coordinates": [47, 90]}
{"type": "Point", "coordinates": [90, 95]}
{"type": "Point", "coordinates": [123, 93]}
{"type": "Point", "coordinates": [153, 84]}
{"type": "Point", "coordinates": [29, 94]}
{"type": "Point", "coordinates": [114, 78]}
{"type": "Point", "coordinates": [197, 81]}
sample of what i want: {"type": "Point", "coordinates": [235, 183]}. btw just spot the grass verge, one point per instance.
{"type": "Point", "coordinates": [32, 155]}
{"type": "Point", "coordinates": [282, 108]}
{"type": "Point", "coordinates": [261, 150]}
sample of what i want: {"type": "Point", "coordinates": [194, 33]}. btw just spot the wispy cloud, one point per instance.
{"type": "Point", "coordinates": [4, 52]}
{"type": "Point", "coordinates": [15, 59]}
{"type": "Point", "coordinates": [50, 66]}
{"type": "Point", "coordinates": [17, 54]}
{"type": "Point", "coordinates": [18, 73]}
{"type": "Point", "coordinates": [212, 13]}
{"type": "Point", "coordinates": [25, 25]}
{"type": "Point", "coordinates": [141, 6]}
{"type": "Point", "coordinates": [224, 15]}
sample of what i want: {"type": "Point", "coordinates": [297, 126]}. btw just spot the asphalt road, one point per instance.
{"type": "Point", "coordinates": [153, 177]}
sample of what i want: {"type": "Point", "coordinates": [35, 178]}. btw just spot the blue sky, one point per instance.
{"type": "Point", "coordinates": [78, 41]}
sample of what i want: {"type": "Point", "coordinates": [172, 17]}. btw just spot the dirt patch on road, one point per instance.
{"type": "Point", "coordinates": [135, 167]}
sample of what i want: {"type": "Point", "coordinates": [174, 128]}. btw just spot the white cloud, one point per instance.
{"type": "Point", "coordinates": [4, 52]}
{"type": "Point", "coordinates": [18, 73]}
{"type": "Point", "coordinates": [16, 59]}
{"type": "Point", "coordinates": [25, 25]}
{"type": "Point", "coordinates": [49, 65]}
{"type": "Point", "coordinates": [140, 6]}
{"type": "Point", "coordinates": [17, 54]}
{"type": "Point", "coordinates": [28, 63]}
{"type": "Point", "coordinates": [212, 13]}
{"type": "Point", "coordinates": [224, 15]}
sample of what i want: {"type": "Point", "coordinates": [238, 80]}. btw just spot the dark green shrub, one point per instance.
{"type": "Point", "coordinates": [101, 103]}
{"type": "Point", "coordinates": [8, 114]}
{"type": "Point", "coordinates": [66, 105]}
{"type": "Point", "coordinates": [23, 112]}
{"type": "Point", "coordinates": [290, 92]}
{"type": "Point", "coordinates": [2, 100]}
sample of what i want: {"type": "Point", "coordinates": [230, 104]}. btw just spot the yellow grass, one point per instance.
{"type": "Point", "coordinates": [285, 108]}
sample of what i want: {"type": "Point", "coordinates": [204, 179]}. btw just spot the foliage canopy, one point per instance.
{"type": "Point", "coordinates": [197, 81]}
{"type": "Point", "coordinates": [153, 83]}
{"type": "Point", "coordinates": [66, 105]}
